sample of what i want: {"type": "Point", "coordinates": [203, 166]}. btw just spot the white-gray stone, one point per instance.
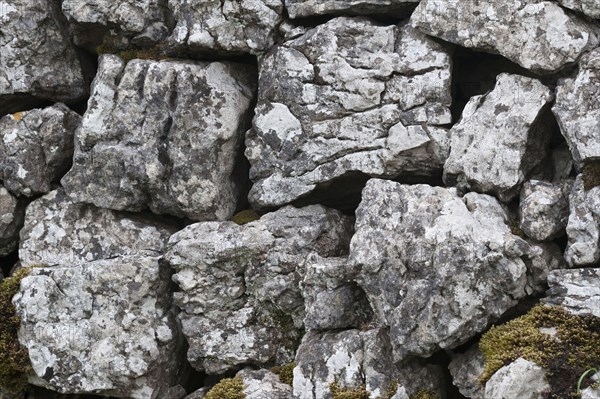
{"type": "Point", "coordinates": [263, 384]}
{"type": "Point", "coordinates": [576, 290]}
{"type": "Point", "coordinates": [583, 226]}
{"type": "Point", "coordinates": [544, 209]}
{"type": "Point", "coordinates": [306, 8]}
{"type": "Point", "coordinates": [520, 379]}
{"type": "Point", "coordinates": [590, 8]}
{"type": "Point", "coordinates": [466, 368]}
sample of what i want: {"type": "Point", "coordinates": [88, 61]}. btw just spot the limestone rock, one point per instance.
{"type": "Point", "coordinates": [466, 368]}
{"type": "Point", "coordinates": [438, 268]}
{"type": "Point", "coordinates": [263, 384]}
{"type": "Point", "coordinates": [34, 47]}
{"type": "Point", "coordinates": [520, 379]}
{"type": "Point", "coordinates": [147, 126]}
{"type": "Point", "coordinates": [12, 213]}
{"type": "Point", "coordinates": [583, 227]}
{"type": "Point", "coordinates": [590, 8]}
{"type": "Point", "coordinates": [348, 97]}
{"type": "Point", "coordinates": [577, 109]}
{"type": "Point", "coordinates": [306, 8]}
{"type": "Point", "coordinates": [198, 394]}
{"type": "Point", "coordinates": [544, 209]}
{"type": "Point", "coordinates": [592, 392]}
{"type": "Point", "coordinates": [501, 136]}
{"type": "Point", "coordinates": [538, 35]}
{"type": "Point", "coordinates": [101, 327]}
{"type": "Point", "coordinates": [240, 297]}
{"type": "Point", "coordinates": [36, 148]}
{"type": "Point", "coordinates": [354, 358]}
{"type": "Point", "coordinates": [60, 232]}
{"type": "Point", "coordinates": [225, 26]}
{"type": "Point", "coordinates": [576, 290]}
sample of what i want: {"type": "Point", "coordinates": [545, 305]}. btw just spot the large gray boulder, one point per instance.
{"type": "Point", "coordinates": [12, 214]}
{"type": "Point", "coordinates": [101, 327]}
{"type": "Point", "coordinates": [544, 209]}
{"type": "Point", "coordinates": [576, 290]}
{"type": "Point", "coordinates": [38, 60]}
{"type": "Point", "coordinates": [538, 35]}
{"type": "Point", "coordinates": [520, 379]}
{"type": "Point", "coordinates": [348, 97]}
{"type": "Point", "coordinates": [501, 137]}
{"type": "Point", "coordinates": [439, 268]}
{"type": "Point", "coordinates": [240, 294]}
{"type": "Point", "coordinates": [165, 135]}
{"type": "Point", "coordinates": [577, 109]}
{"type": "Point", "coordinates": [307, 8]}
{"type": "Point", "coordinates": [58, 232]}
{"type": "Point", "coordinates": [583, 226]}
{"type": "Point", "coordinates": [36, 148]}
{"type": "Point", "coordinates": [590, 8]}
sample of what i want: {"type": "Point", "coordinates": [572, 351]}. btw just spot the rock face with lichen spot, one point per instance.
{"type": "Point", "coordinates": [576, 290]}
{"type": "Point", "coordinates": [306, 8]}
{"type": "Point", "coordinates": [583, 226]}
{"type": "Point", "coordinates": [588, 7]}
{"type": "Point", "coordinates": [519, 379]}
{"type": "Point", "coordinates": [544, 209]}
{"type": "Point", "coordinates": [12, 213]}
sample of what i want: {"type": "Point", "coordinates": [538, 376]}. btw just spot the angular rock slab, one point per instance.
{"type": "Point", "coordinates": [225, 26]}
{"type": "Point", "coordinates": [544, 209]}
{"type": "Point", "coordinates": [538, 35]}
{"type": "Point", "coordinates": [101, 327]}
{"type": "Point", "coordinates": [466, 368]}
{"type": "Point", "coordinates": [438, 268]}
{"type": "Point", "coordinates": [583, 226]}
{"type": "Point", "coordinates": [590, 8]}
{"type": "Point", "coordinates": [520, 379]}
{"type": "Point", "coordinates": [577, 109]}
{"type": "Point", "coordinates": [36, 148]}
{"type": "Point", "coordinates": [58, 232]}
{"type": "Point", "coordinates": [240, 297]}
{"type": "Point", "coordinates": [355, 358]}
{"type": "Point", "coordinates": [349, 96]}
{"type": "Point", "coordinates": [37, 59]}
{"type": "Point", "coordinates": [263, 384]}
{"type": "Point", "coordinates": [576, 290]}
{"type": "Point", "coordinates": [164, 135]}
{"type": "Point", "coordinates": [501, 137]}
{"type": "Point", "coordinates": [12, 214]}
{"type": "Point", "coordinates": [307, 8]}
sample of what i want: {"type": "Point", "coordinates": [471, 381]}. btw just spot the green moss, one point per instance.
{"type": "Point", "coordinates": [515, 228]}
{"type": "Point", "coordinates": [357, 393]}
{"type": "Point", "coordinates": [591, 175]}
{"type": "Point", "coordinates": [286, 373]}
{"type": "Point", "coordinates": [574, 349]}
{"type": "Point", "coordinates": [153, 53]}
{"type": "Point", "coordinates": [14, 359]}
{"type": "Point", "coordinates": [247, 216]}
{"type": "Point", "coordinates": [425, 395]}
{"type": "Point", "coordinates": [391, 391]}
{"type": "Point", "coordinates": [227, 388]}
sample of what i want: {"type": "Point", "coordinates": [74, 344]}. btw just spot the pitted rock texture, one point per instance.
{"type": "Point", "coordinates": [544, 209]}
{"type": "Point", "coordinates": [538, 35]}
{"type": "Point", "coordinates": [36, 148]}
{"type": "Point", "coordinates": [466, 368]}
{"type": "Point", "coordinates": [438, 268]}
{"type": "Point", "coordinates": [520, 379]}
{"type": "Point", "coordinates": [147, 126]}
{"type": "Point", "coordinates": [306, 8]}
{"type": "Point", "coordinates": [34, 48]}
{"type": "Point", "coordinates": [355, 358]}
{"type": "Point", "coordinates": [225, 26]}
{"type": "Point", "coordinates": [349, 96]}
{"type": "Point", "coordinates": [501, 137]}
{"type": "Point", "coordinates": [577, 109]}
{"type": "Point", "coordinates": [576, 290]}
{"type": "Point", "coordinates": [12, 213]}
{"type": "Point", "coordinates": [102, 327]}
{"type": "Point", "coordinates": [58, 232]}
{"type": "Point", "coordinates": [240, 296]}
{"type": "Point", "coordinates": [590, 8]}
{"type": "Point", "coordinates": [583, 226]}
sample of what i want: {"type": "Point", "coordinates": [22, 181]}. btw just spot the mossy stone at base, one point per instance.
{"type": "Point", "coordinates": [425, 395]}
{"type": "Point", "coordinates": [286, 373]}
{"type": "Point", "coordinates": [357, 393]}
{"type": "Point", "coordinates": [244, 217]}
{"type": "Point", "coordinates": [227, 388]}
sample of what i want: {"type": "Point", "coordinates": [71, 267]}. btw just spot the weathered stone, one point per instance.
{"type": "Point", "coordinates": [500, 138]}
{"type": "Point", "coordinates": [60, 232]}
{"type": "Point", "coordinates": [544, 209]}
{"type": "Point", "coordinates": [583, 227]}
{"type": "Point", "coordinates": [37, 57]}
{"type": "Point", "coordinates": [577, 109]}
{"type": "Point", "coordinates": [263, 384]}
{"type": "Point", "coordinates": [577, 290]}
{"type": "Point", "coordinates": [12, 212]}
{"type": "Point", "coordinates": [164, 135]}
{"type": "Point", "coordinates": [306, 8]}
{"type": "Point", "coordinates": [348, 97]}
{"type": "Point", "coordinates": [590, 8]}
{"type": "Point", "coordinates": [101, 327]}
{"type": "Point", "coordinates": [354, 358]}
{"type": "Point", "coordinates": [36, 148]}
{"type": "Point", "coordinates": [225, 26]}
{"type": "Point", "coordinates": [438, 268]}
{"type": "Point", "coordinates": [466, 368]}
{"type": "Point", "coordinates": [538, 35]}
{"type": "Point", "coordinates": [592, 392]}
{"type": "Point", "coordinates": [240, 297]}
{"type": "Point", "coordinates": [520, 379]}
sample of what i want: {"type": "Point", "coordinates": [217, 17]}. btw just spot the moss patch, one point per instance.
{"type": "Point", "coordinates": [590, 175]}
{"type": "Point", "coordinates": [515, 228]}
{"type": "Point", "coordinates": [244, 217]}
{"type": "Point", "coordinates": [574, 348]}
{"type": "Point", "coordinates": [391, 391]}
{"type": "Point", "coordinates": [425, 395]}
{"type": "Point", "coordinates": [286, 373]}
{"type": "Point", "coordinates": [339, 393]}
{"type": "Point", "coordinates": [14, 359]}
{"type": "Point", "coordinates": [227, 388]}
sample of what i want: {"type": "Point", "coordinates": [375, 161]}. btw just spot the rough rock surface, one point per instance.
{"type": "Point", "coordinates": [147, 124]}
{"type": "Point", "coordinates": [225, 26]}
{"type": "Point", "coordinates": [448, 265]}
{"type": "Point", "coordinates": [520, 379]}
{"type": "Point", "coordinates": [12, 212]}
{"type": "Point", "coordinates": [592, 392]}
{"type": "Point", "coordinates": [583, 227]}
{"type": "Point", "coordinates": [466, 368]}
{"type": "Point", "coordinates": [240, 296]}
{"type": "Point", "coordinates": [355, 358]}
{"type": "Point", "coordinates": [306, 8]}
{"type": "Point", "coordinates": [263, 384]}
{"type": "Point", "coordinates": [36, 148]}
{"type": "Point", "coordinates": [500, 138]}
{"type": "Point", "coordinates": [60, 232]}
{"type": "Point", "coordinates": [577, 109]}
{"type": "Point", "coordinates": [576, 290]}
{"type": "Point", "coordinates": [538, 35]}
{"type": "Point", "coordinates": [102, 327]}
{"type": "Point", "coordinates": [544, 209]}
{"type": "Point", "coordinates": [588, 7]}
{"type": "Point", "coordinates": [349, 96]}
{"type": "Point", "coordinates": [34, 47]}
